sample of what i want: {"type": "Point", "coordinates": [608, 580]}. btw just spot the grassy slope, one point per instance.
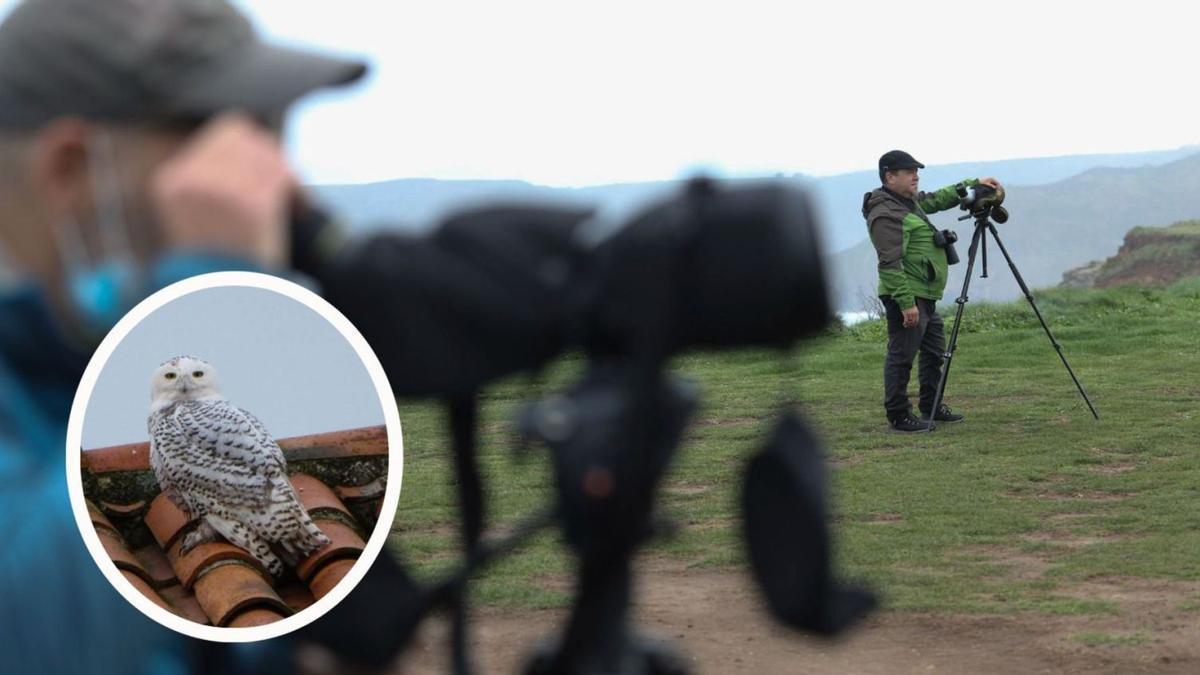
{"type": "Point", "coordinates": [937, 521]}
{"type": "Point", "coordinates": [1183, 227]}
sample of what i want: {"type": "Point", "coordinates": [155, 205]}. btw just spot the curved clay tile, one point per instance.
{"type": "Point", "coordinates": [145, 589]}
{"type": "Point", "coordinates": [314, 494]}
{"type": "Point", "coordinates": [97, 516]}
{"type": "Point", "coordinates": [332, 562]}
{"type": "Point", "coordinates": [344, 543]}
{"type": "Point", "coordinates": [226, 589]}
{"type": "Point", "coordinates": [259, 616]}
{"type": "Point", "coordinates": [120, 554]}
{"type": "Point", "coordinates": [329, 576]}
{"type": "Point", "coordinates": [154, 561]}
{"type": "Point", "coordinates": [165, 520]}
{"type": "Point", "coordinates": [185, 604]}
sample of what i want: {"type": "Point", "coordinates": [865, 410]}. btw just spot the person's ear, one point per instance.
{"type": "Point", "coordinates": [58, 164]}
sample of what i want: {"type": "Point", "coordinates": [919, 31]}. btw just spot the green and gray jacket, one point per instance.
{"type": "Point", "coordinates": [910, 266]}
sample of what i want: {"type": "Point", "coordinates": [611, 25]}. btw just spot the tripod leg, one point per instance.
{"type": "Point", "coordinates": [1029, 296]}
{"type": "Point", "coordinates": [958, 312]}
{"type": "Point", "coordinates": [463, 415]}
{"type": "Point", "coordinates": [983, 256]}
{"type": "Point", "coordinates": [598, 638]}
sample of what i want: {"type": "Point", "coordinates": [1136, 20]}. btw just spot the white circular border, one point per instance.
{"type": "Point", "coordinates": [391, 495]}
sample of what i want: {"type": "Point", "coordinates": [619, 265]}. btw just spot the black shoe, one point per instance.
{"type": "Point", "coordinates": [908, 424]}
{"type": "Point", "coordinates": [944, 414]}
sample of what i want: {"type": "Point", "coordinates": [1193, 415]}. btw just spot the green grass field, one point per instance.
{"type": "Point", "coordinates": [998, 514]}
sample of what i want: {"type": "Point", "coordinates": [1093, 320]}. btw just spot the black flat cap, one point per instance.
{"type": "Point", "coordinates": [897, 159]}
{"type": "Point", "coordinates": [148, 60]}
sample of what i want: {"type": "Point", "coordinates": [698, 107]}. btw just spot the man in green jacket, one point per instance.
{"type": "Point", "coordinates": [912, 276]}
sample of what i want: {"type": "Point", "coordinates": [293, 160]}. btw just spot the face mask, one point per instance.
{"type": "Point", "coordinates": [103, 288]}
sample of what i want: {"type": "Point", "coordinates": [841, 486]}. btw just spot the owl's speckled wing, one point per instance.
{"type": "Point", "coordinates": [215, 453]}
{"type": "Point", "coordinates": [228, 471]}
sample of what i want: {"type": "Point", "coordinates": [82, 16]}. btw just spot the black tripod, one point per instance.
{"type": "Point", "coordinates": [982, 226]}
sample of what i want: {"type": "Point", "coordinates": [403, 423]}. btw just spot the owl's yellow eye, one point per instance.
{"type": "Point", "coordinates": [169, 376]}
{"type": "Point", "coordinates": [198, 373]}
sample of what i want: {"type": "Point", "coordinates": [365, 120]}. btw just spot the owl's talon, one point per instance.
{"type": "Point", "coordinates": [203, 534]}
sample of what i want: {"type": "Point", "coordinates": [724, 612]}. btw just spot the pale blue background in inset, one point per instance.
{"type": "Point", "coordinates": [274, 357]}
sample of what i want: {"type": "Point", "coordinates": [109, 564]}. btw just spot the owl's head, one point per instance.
{"type": "Point", "coordinates": [183, 378]}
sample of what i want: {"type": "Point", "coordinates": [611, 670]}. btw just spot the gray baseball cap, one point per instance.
{"type": "Point", "coordinates": [127, 60]}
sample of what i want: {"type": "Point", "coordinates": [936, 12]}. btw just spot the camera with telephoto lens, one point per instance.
{"type": "Point", "coordinates": [496, 291]}
{"type": "Point", "coordinates": [982, 201]}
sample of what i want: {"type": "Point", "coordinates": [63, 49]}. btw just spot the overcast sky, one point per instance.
{"type": "Point", "coordinates": [578, 93]}
{"type": "Point", "coordinates": [273, 357]}
{"type": "Point", "coordinates": [572, 93]}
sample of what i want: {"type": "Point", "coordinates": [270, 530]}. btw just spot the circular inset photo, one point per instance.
{"type": "Point", "coordinates": [234, 457]}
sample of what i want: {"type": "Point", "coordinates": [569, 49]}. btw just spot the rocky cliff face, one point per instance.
{"type": "Point", "coordinates": [1082, 277]}
{"type": "Point", "coordinates": [1148, 256]}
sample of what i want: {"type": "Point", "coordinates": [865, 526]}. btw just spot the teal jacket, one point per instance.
{"type": "Point", "coordinates": [59, 613]}
{"type": "Point", "coordinates": [910, 265]}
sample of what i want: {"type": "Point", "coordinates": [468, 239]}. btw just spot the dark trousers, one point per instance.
{"type": "Point", "coordinates": [929, 338]}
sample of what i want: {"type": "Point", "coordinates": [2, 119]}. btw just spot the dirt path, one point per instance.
{"type": "Point", "coordinates": [715, 620]}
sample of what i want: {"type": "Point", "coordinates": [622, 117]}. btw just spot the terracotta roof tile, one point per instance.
{"type": "Point", "coordinates": [329, 576]}
{"type": "Point", "coordinates": [198, 561]}
{"type": "Point", "coordinates": [154, 561]}
{"type": "Point", "coordinates": [98, 518]}
{"type": "Point", "coordinates": [120, 554]}
{"type": "Point", "coordinates": [296, 596]}
{"type": "Point", "coordinates": [185, 604]}
{"type": "Point", "coordinates": [344, 543]}
{"type": "Point", "coordinates": [258, 616]}
{"type": "Point", "coordinates": [145, 589]}
{"type": "Point", "coordinates": [314, 494]}
{"type": "Point", "coordinates": [352, 493]}
{"type": "Point", "coordinates": [365, 441]}
{"type": "Point", "coordinates": [165, 520]}
{"type": "Point", "coordinates": [125, 510]}
{"type": "Point", "coordinates": [227, 588]}
{"type": "Point", "coordinates": [351, 442]}
{"type": "Point", "coordinates": [218, 583]}
{"type": "Point", "coordinates": [131, 457]}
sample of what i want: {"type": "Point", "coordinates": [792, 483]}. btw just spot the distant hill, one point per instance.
{"type": "Point", "coordinates": [1149, 256]}
{"type": "Point", "coordinates": [1053, 228]}
{"type": "Point", "coordinates": [421, 202]}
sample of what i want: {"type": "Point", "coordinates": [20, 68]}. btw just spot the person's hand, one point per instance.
{"type": "Point", "coordinates": [991, 182]}
{"type": "Point", "coordinates": [911, 316]}
{"type": "Point", "coordinates": [227, 190]}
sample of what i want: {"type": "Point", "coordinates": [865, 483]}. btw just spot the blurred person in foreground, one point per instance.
{"type": "Point", "coordinates": [138, 147]}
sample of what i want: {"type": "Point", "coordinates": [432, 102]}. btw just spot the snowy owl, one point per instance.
{"type": "Point", "coordinates": [218, 463]}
